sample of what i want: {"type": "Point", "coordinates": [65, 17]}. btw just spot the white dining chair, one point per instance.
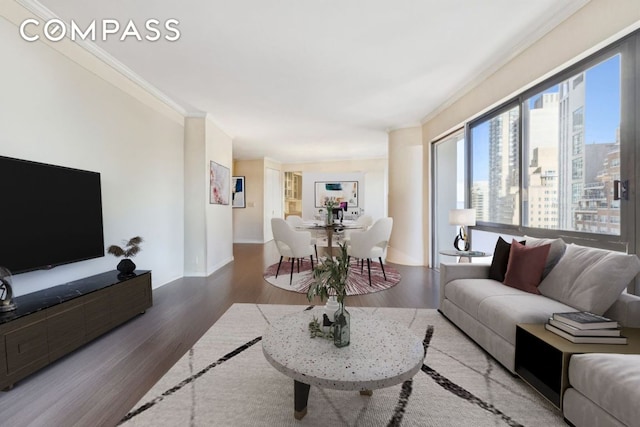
{"type": "Point", "coordinates": [297, 223]}
{"type": "Point", "coordinates": [371, 243]}
{"type": "Point", "coordinates": [363, 222]}
{"type": "Point", "coordinates": [291, 243]}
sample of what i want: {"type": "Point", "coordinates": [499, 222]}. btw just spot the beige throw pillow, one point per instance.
{"type": "Point", "coordinates": [555, 253]}
{"type": "Point", "coordinates": [589, 279]}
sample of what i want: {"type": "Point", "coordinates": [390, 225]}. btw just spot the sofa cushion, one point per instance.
{"type": "Point", "coordinates": [590, 279]}
{"type": "Point", "coordinates": [555, 252]}
{"type": "Point", "coordinates": [525, 267]}
{"type": "Point", "coordinates": [502, 313]}
{"type": "Point", "coordinates": [500, 259]}
{"type": "Point", "coordinates": [610, 381]}
{"type": "Point", "coordinates": [469, 293]}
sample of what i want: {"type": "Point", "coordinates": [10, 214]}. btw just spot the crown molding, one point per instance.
{"type": "Point", "coordinates": [196, 115]}
{"type": "Point", "coordinates": [45, 14]}
{"type": "Point", "coordinates": [547, 25]}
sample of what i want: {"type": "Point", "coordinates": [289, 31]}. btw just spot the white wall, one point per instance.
{"type": "Point", "coordinates": [374, 181]}
{"type": "Point", "coordinates": [375, 190]}
{"type": "Point", "coordinates": [248, 223]}
{"type": "Point", "coordinates": [196, 193]}
{"type": "Point", "coordinates": [406, 182]}
{"type": "Point", "coordinates": [219, 217]}
{"type": "Point", "coordinates": [53, 110]}
{"type": "Point", "coordinates": [208, 236]}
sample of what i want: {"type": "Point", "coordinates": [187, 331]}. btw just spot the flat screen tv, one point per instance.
{"type": "Point", "coordinates": [49, 215]}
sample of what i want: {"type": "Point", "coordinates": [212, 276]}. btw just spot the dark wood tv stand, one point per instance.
{"type": "Point", "coordinates": [51, 323]}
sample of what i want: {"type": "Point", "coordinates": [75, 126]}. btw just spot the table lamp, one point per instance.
{"type": "Point", "coordinates": [462, 217]}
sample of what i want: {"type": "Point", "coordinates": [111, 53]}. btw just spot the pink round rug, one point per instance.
{"type": "Point", "coordinates": [357, 283]}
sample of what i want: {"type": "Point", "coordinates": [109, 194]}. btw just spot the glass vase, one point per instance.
{"type": "Point", "coordinates": [329, 216]}
{"type": "Point", "coordinates": [341, 327]}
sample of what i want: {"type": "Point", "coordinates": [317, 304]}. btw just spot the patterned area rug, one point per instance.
{"type": "Point", "coordinates": [225, 380]}
{"type": "Point", "coordinates": [357, 282]}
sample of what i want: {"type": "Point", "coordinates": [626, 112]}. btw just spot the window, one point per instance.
{"type": "Point", "coordinates": [572, 159]}
{"type": "Point", "coordinates": [448, 189]}
{"type": "Point", "coordinates": [548, 158]}
{"type": "Point", "coordinates": [495, 171]}
{"type": "Point", "coordinates": [578, 144]}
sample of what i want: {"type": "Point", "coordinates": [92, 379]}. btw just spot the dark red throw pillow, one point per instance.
{"type": "Point", "coordinates": [525, 267]}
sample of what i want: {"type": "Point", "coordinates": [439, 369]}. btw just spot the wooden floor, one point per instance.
{"type": "Point", "coordinates": [99, 383]}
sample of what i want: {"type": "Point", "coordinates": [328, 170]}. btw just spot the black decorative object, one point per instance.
{"type": "Point", "coordinates": [131, 248]}
{"type": "Point", "coordinates": [6, 293]}
{"type": "Point", "coordinates": [462, 218]}
{"type": "Point", "coordinates": [461, 238]}
{"type": "Point", "coordinates": [126, 268]}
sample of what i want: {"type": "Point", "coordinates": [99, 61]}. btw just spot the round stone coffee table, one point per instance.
{"type": "Point", "coordinates": [382, 353]}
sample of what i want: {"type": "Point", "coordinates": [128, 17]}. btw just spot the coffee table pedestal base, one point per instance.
{"type": "Point", "coordinates": [301, 397]}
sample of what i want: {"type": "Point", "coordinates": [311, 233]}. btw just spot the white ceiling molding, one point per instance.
{"type": "Point", "coordinates": [45, 14]}
{"type": "Point", "coordinates": [552, 20]}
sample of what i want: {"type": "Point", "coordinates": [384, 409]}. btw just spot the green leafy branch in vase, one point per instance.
{"type": "Point", "coordinates": [330, 277]}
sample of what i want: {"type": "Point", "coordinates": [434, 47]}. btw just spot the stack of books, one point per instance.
{"type": "Point", "coordinates": [583, 327]}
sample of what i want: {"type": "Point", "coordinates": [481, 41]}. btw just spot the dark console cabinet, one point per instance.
{"type": "Point", "coordinates": [51, 323]}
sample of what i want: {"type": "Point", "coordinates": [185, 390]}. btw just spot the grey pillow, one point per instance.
{"type": "Point", "coordinates": [590, 279]}
{"type": "Point", "coordinates": [555, 253]}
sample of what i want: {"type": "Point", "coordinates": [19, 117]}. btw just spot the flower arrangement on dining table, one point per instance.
{"type": "Point", "coordinates": [330, 204]}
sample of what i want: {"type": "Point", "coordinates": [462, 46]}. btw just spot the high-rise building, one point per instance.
{"type": "Point", "coordinates": [571, 155]}
{"type": "Point", "coordinates": [504, 168]}
{"type": "Point", "coordinates": [597, 212]}
{"type": "Point", "coordinates": [541, 121]}
{"type": "Point", "coordinates": [479, 200]}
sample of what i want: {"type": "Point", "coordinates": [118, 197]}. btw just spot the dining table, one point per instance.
{"type": "Point", "coordinates": [330, 229]}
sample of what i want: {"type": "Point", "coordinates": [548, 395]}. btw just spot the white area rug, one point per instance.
{"type": "Point", "coordinates": [226, 381]}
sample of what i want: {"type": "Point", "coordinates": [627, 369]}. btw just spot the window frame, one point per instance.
{"type": "Point", "coordinates": [629, 49]}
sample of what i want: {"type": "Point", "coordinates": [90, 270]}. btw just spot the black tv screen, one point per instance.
{"type": "Point", "coordinates": [50, 215]}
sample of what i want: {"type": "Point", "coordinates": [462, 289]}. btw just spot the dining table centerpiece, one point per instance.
{"type": "Point", "coordinates": [330, 205]}
{"type": "Point", "coordinates": [330, 280]}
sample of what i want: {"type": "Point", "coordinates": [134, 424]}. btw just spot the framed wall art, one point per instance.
{"type": "Point", "coordinates": [238, 192]}
{"type": "Point", "coordinates": [220, 185]}
{"type": "Point", "coordinates": [336, 191]}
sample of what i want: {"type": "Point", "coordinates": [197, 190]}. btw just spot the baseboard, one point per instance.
{"type": "Point", "coordinates": [248, 241]}
{"type": "Point", "coordinates": [397, 257]}
{"type": "Point", "coordinates": [218, 266]}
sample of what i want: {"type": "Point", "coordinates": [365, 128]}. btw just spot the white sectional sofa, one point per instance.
{"type": "Point", "coordinates": [605, 390]}
{"type": "Point", "coordinates": [583, 278]}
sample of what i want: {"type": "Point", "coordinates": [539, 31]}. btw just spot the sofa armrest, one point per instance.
{"type": "Point", "coordinates": [453, 271]}
{"type": "Point", "coordinates": [625, 310]}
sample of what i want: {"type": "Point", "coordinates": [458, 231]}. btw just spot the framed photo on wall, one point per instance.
{"type": "Point", "coordinates": [336, 191]}
{"type": "Point", "coordinates": [220, 185]}
{"type": "Point", "coordinates": [238, 192]}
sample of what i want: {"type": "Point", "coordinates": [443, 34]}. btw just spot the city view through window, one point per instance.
{"type": "Point", "coordinates": [570, 157]}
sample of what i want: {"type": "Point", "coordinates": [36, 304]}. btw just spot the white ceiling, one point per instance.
{"type": "Point", "coordinates": [312, 80]}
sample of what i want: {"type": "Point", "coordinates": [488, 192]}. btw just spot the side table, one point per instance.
{"type": "Point", "coordinates": [465, 254]}
{"type": "Point", "coordinates": [542, 357]}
